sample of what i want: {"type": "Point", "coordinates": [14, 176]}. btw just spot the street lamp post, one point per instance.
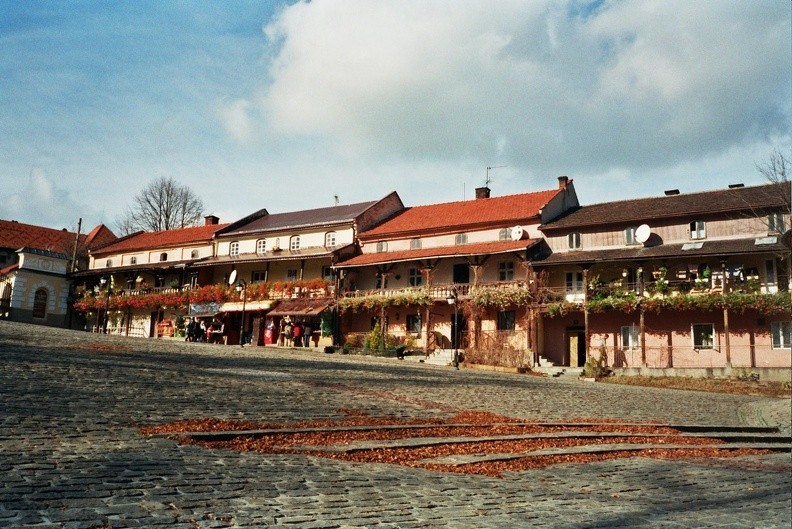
{"type": "Point", "coordinates": [241, 286]}
{"type": "Point", "coordinates": [104, 281]}
{"type": "Point", "coordinates": [452, 300]}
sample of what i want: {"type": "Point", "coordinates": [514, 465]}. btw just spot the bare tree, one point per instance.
{"type": "Point", "coordinates": [163, 204]}
{"type": "Point", "coordinates": [776, 171]}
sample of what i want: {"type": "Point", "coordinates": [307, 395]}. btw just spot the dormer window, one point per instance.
{"type": "Point", "coordinates": [461, 238]}
{"type": "Point", "coordinates": [698, 230]}
{"type": "Point", "coordinates": [294, 243]}
{"type": "Point", "coordinates": [382, 246]}
{"type": "Point", "coordinates": [775, 222]}
{"type": "Point", "coordinates": [233, 249]}
{"type": "Point", "coordinates": [330, 239]}
{"type": "Point", "coordinates": [629, 236]}
{"type": "Point", "coordinates": [261, 246]}
{"type": "Point", "coordinates": [164, 256]}
{"type": "Point", "coordinates": [573, 240]}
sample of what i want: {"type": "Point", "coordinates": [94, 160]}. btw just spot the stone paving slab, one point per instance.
{"type": "Point", "coordinates": [71, 455]}
{"type": "Point", "coordinates": [466, 459]}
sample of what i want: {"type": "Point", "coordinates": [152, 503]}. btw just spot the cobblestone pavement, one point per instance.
{"type": "Point", "coordinates": [72, 457]}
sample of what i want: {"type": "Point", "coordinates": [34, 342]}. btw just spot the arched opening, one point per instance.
{"type": "Point", "coordinates": [40, 303]}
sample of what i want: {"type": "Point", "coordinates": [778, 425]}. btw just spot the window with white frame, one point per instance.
{"type": "Point", "coordinates": [782, 332]}
{"type": "Point", "coordinates": [233, 249]}
{"type": "Point", "coordinates": [573, 240]}
{"type": "Point", "coordinates": [703, 336]}
{"type": "Point", "coordinates": [261, 246]}
{"type": "Point", "coordinates": [294, 243]}
{"type": "Point", "coordinates": [415, 244]}
{"type": "Point", "coordinates": [291, 274]}
{"type": "Point", "coordinates": [416, 278]}
{"type": "Point", "coordinates": [629, 235]}
{"type": "Point", "coordinates": [506, 271]}
{"type": "Point", "coordinates": [574, 281]}
{"type": "Point", "coordinates": [330, 239]}
{"type": "Point", "coordinates": [258, 276]}
{"type": "Point", "coordinates": [630, 337]}
{"type": "Point", "coordinates": [504, 234]}
{"type": "Point", "coordinates": [461, 238]}
{"type": "Point", "coordinates": [775, 222]}
{"type": "Point", "coordinates": [698, 230]}
{"type": "Point", "coordinates": [382, 246]}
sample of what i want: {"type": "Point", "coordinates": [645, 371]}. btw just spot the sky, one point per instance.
{"type": "Point", "coordinates": [294, 105]}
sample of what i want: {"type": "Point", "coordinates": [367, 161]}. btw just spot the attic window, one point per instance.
{"type": "Point", "coordinates": [261, 246]}
{"type": "Point", "coordinates": [133, 260]}
{"type": "Point", "coordinates": [382, 246]}
{"type": "Point", "coordinates": [573, 240]}
{"type": "Point", "coordinates": [164, 256]}
{"type": "Point", "coordinates": [330, 239]}
{"type": "Point", "coordinates": [775, 222]}
{"type": "Point", "coordinates": [194, 254]}
{"type": "Point", "coordinates": [415, 244]}
{"type": "Point", "coordinates": [108, 263]}
{"type": "Point", "coordinates": [461, 238]}
{"type": "Point", "coordinates": [698, 230]}
{"type": "Point", "coordinates": [294, 243]}
{"type": "Point", "coordinates": [504, 234]}
{"type": "Point", "coordinates": [629, 236]}
{"type": "Point", "coordinates": [233, 249]}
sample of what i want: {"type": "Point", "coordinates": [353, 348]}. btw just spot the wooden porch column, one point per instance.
{"type": "Point", "coordinates": [585, 310]}
{"type": "Point", "coordinates": [726, 333]}
{"type": "Point", "coordinates": [641, 318]}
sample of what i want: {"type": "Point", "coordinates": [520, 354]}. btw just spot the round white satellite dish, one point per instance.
{"type": "Point", "coordinates": [232, 277]}
{"type": "Point", "coordinates": [642, 233]}
{"type": "Point", "coordinates": [517, 233]}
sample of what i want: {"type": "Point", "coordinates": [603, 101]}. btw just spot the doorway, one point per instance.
{"type": "Point", "coordinates": [575, 346]}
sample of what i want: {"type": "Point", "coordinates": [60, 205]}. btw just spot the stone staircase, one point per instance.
{"type": "Point", "coordinates": [552, 370]}
{"type": "Point", "coordinates": [439, 357]}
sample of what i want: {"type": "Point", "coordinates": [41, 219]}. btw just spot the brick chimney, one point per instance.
{"type": "Point", "coordinates": [211, 220]}
{"type": "Point", "coordinates": [563, 182]}
{"type": "Point", "coordinates": [482, 192]}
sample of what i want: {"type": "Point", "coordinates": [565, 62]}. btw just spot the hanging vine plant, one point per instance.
{"type": "Point", "coordinates": [375, 301]}
{"type": "Point", "coordinates": [501, 297]}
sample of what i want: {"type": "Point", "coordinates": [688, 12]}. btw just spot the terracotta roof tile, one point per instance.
{"type": "Point", "coordinates": [646, 210]}
{"type": "Point", "coordinates": [16, 235]}
{"type": "Point", "coordinates": [482, 248]}
{"type": "Point", "coordinates": [465, 214]}
{"type": "Point", "coordinates": [148, 240]}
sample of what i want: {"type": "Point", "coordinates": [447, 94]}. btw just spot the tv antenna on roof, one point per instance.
{"type": "Point", "coordinates": [487, 181]}
{"type": "Point", "coordinates": [336, 199]}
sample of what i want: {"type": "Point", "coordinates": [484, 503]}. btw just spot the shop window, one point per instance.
{"type": "Point", "coordinates": [40, 303]}
{"type": "Point", "coordinates": [261, 246]}
{"type": "Point", "coordinates": [782, 332]}
{"type": "Point", "coordinates": [775, 222]}
{"type": "Point", "coordinates": [461, 238]}
{"type": "Point", "coordinates": [506, 320]}
{"type": "Point", "coordinates": [698, 230]}
{"type": "Point", "coordinates": [573, 240]}
{"type": "Point", "coordinates": [416, 278]}
{"type": "Point", "coordinates": [414, 323]}
{"type": "Point", "coordinates": [630, 337]}
{"type": "Point", "coordinates": [330, 239]}
{"type": "Point", "coordinates": [415, 244]}
{"type": "Point", "coordinates": [233, 249]}
{"type": "Point", "coordinates": [294, 243]}
{"type": "Point", "coordinates": [506, 271]}
{"type": "Point", "coordinates": [703, 336]}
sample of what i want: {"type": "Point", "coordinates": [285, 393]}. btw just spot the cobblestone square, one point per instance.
{"type": "Point", "coordinates": [71, 455]}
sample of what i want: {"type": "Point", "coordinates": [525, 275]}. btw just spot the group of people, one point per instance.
{"type": "Point", "coordinates": [201, 331]}
{"type": "Point", "coordinates": [295, 333]}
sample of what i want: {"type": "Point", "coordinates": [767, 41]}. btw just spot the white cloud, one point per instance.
{"type": "Point", "coordinates": [236, 120]}
{"type": "Point", "coordinates": [635, 85]}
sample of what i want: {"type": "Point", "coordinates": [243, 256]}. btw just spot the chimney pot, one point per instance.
{"type": "Point", "coordinates": [482, 192]}
{"type": "Point", "coordinates": [211, 220]}
{"type": "Point", "coordinates": [671, 192]}
{"type": "Point", "coordinates": [563, 181]}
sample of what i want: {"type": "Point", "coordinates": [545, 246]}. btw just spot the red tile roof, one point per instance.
{"type": "Point", "coordinates": [481, 248]}
{"type": "Point", "coordinates": [463, 215]}
{"type": "Point", "coordinates": [16, 235]}
{"type": "Point", "coordinates": [148, 240]}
